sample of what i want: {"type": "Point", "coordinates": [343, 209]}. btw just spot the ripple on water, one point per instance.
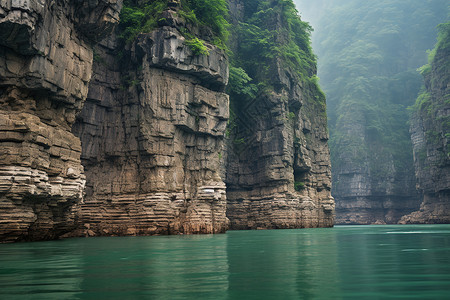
{"type": "Point", "coordinates": [354, 262]}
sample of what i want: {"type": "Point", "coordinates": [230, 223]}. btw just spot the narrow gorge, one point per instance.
{"type": "Point", "coordinates": [368, 56]}
{"type": "Point", "coordinates": [134, 129]}
{"type": "Point", "coordinates": [224, 149]}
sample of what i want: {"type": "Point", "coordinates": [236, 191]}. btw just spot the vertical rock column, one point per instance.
{"type": "Point", "coordinates": [430, 128]}
{"type": "Point", "coordinates": [278, 171]}
{"type": "Point", "coordinates": [45, 68]}
{"type": "Point", "coordinates": [152, 134]}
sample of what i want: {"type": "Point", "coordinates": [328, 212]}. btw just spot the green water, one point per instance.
{"type": "Point", "coordinates": [345, 262]}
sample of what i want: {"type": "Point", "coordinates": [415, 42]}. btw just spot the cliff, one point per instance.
{"type": "Point", "coordinates": [152, 130]}
{"type": "Point", "coordinates": [127, 131]}
{"type": "Point", "coordinates": [430, 128]}
{"type": "Point", "coordinates": [153, 134]}
{"type": "Point", "coordinates": [45, 69]}
{"type": "Point", "coordinates": [368, 53]}
{"type": "Point", "coordinates": [278, 170]}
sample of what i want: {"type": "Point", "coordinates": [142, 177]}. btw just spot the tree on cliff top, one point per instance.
{"type": "Point", "coordinates": [271, 31]}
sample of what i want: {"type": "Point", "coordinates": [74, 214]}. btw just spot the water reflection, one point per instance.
{"type": "Point", "coordinates": [158, 268]}
{"type": "Point", "coordinates": [318, 276]}
{"type": "Point", "coordinates": [391, 261]}
{"type": "Point", "coordinates": [39, 268]}
{"type": "Point", "coordinates": [293, 264]}
{"type": "Point", "coordinates": [352, 262]}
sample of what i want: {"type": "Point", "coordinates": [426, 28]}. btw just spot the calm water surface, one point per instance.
{"type": "Point", "coordinates": [345, 262]}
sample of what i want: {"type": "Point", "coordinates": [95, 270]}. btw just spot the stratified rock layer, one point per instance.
{"type": "Point", "coordinates": [279, 147]}
{"type": "Point", "coordinates": [430, 128]}
{"type": "Point", "coordinates": [152, 157]}
{"type": "Point", "coordinates": [369, 186]}
{"type": "Point", "coordinates": [278, 168]}
{"type": "Point", "coordinates": [152, 132]}
{"type": "Point", "coordinates": [45, 68]}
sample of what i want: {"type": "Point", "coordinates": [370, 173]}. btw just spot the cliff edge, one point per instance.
{"type": "Point", "coordinates": [151, 131]}
{"type": "Point", "coordinates": [45, 69]}
{"type": "Point", "coordinates": [278, 171]}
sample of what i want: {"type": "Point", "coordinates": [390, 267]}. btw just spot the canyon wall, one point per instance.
{"type": "Point", "coordinates": [152, 134]}
{"type": "Point", "coordinates": [278, 170]}
{"type": "Point", "coordinates": [368, 53]}
{"type": "Point", "coordinates": [45, 69]}
{"type": "Point", "coordinates": [106, 135]}
{"type": "Point", "coordinates": [282, 146]}
{"type": "Point", "coordinates": [430, 134]}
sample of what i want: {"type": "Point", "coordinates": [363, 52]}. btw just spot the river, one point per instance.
{"type": "Point", "coordinates": [344, 262]}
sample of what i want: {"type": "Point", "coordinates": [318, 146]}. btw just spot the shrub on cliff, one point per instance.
{"type": "Point", "coordinates": [240, 83]}
{"type": "Point", "coordinates": [211, 14]}
{"type": "Point", "coordinates": [272, 31]}
{"type": "Point", "coordinates": [141, 16]}
{"type": "Point", "coordinates": [423, 101]}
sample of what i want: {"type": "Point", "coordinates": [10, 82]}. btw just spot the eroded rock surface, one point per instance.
{"type": "Point", "coordinates": [152, 132]}
{"type": "Point", "coordinates": [430, 127]}
{"type": "Point", "coordinates": [278, 169]}
{"type": "Point", "coordinates": [152, 157]}
{"type": "Point", "coordinates": [282, 144]}
{"type": "Point", "coordinates": [45, 68]}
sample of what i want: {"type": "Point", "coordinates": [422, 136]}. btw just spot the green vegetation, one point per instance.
{"type": "Point", "coordinates": [424, 101]}
{"type": "Point", "coordinates": [429, 105]}
{"type": "Point", "coordinates": [271, 33]}
{"type": "Point", "coordinates": [442, 42]}
{"type": "Point", "coordinates": [262, 39]}
{"type": "Point", "coordinates": [298, 186]}
{"type": "Point", "coordinates": [141, 16]}
{"type": "Point", "coordinates": [210, 14]}
{"type": "Point", "coordinates": [197, 46]}
{"type": "Point", "coordinates": [368, 55]}
{"type": "Point", "coordinates": [269, 42]}
{"type": "Point", "coordinates": [240, 84]}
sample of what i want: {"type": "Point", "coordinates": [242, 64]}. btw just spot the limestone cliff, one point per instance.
{"type": "Point", "coordinates": [368, 53]}
{"type": "Point", "coordinates": [278, 170]}
{"type": "Point", "coordinates": [151, 112]}
{"type": "Point", "coordinates": [45, 69]}
{"type": "Point", "coordinates": [430, 134]}
{"type": "Point", "coordinates": [152, 131]}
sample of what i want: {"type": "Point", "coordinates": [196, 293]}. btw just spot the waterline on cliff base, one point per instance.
{"type": "Point", "coordinates": [345, 262]}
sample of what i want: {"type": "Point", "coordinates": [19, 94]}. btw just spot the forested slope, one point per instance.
{"type": "Point", "coordinates": [368, 55]}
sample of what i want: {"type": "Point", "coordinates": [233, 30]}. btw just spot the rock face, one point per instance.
{"type": "Point", "coordinates": [430, 128]}
{"type": "Point", "coordinates": [364, 202]}
{"type": "Point", "coordinates": [152, 133]}
{"type": "Point", "coordinates": [370, 186]}
{"type": "Point", "coordinates": [45, 68]}
{"type": "Point", "coordinates": [279, 149]}
{"type": "Point", "coordinates": [278, 169]}
{"type": "Point", "coordinates": [98, 138]}
{"type": "Point", "coordinates": [367, 67]}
